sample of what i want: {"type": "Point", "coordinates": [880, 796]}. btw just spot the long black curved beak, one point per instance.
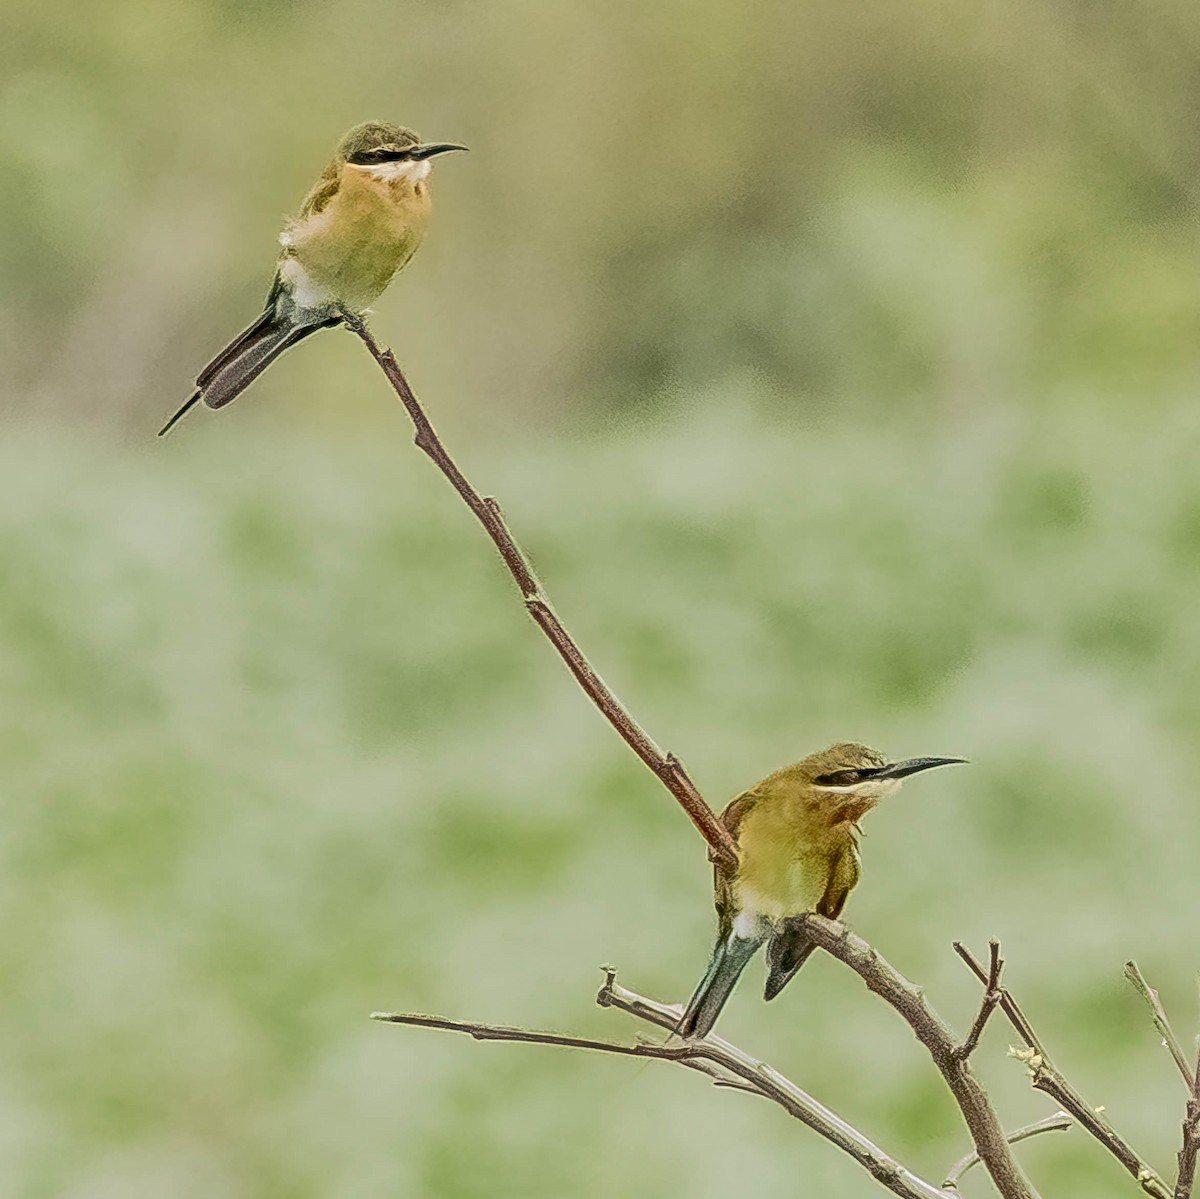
{"type": "Point", "coordinates": [432, 149]}
{"type": "Point", "coordinates": [900, 770]}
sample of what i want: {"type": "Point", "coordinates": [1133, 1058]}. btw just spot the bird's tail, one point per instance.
{"type": "Point", "coordinates": [787, 951]}
{"type": "Point", "coordinates": [729, 958]}
{"type": "Point", "coordinates": [245, 358]}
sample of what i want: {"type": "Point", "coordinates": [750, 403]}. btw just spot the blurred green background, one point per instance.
{"type": "Point", "coordinates": [838, 366]}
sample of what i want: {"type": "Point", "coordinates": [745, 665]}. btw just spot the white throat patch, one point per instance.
{"type": "Point", "coordinates": [387, 172]}
{"type": "Point", "coordinates": [876, 789]}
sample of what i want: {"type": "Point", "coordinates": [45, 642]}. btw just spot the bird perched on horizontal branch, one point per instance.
{"type": "Point", "coordinates": [797, 837]}
{"type": "Point", "coordinates": [359, 225]}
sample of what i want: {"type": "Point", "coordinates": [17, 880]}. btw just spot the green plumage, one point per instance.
{"type": "Point", "coordinates": [797, 838]}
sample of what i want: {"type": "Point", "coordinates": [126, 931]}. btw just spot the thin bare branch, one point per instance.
{"type": "Point", "coordinates": [1046, 1078]}
{"type": "Point", "coordinates": [991, 997]}
{"type": "Point", "coordinates": [728, 1066]}
{"type": "Point", "coordinates": [503, 1032]}
{"type": "Point", "coordinates": [666, 766]}
{"type": "Point", "coordinates": [909, 1002]}
{"type": "Point", "coordinates": [1189, 1149]}
{"type": "Point", "coordinates": [1159, 1015]}
{"type": "Point", "coordinates": [1007, 1004]}
{"type": "Point", "coordinates": [1059, 1122]}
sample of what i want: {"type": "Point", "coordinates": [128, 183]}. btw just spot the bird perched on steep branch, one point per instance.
{"type": "Point", "coordinates": [359, 225]}
{"type": "Point", "coordinates": [797, 837]}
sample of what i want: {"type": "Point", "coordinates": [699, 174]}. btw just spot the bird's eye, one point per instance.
{"type": "Point", "coordinates": [839, 778]}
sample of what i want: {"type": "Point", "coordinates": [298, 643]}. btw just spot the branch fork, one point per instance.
{"type": "Point", "coordinates": [1045, 1077]}
{"type": "Point", "coordinates": [991, 998]}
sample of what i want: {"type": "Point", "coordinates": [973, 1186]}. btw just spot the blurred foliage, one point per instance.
{"type": "Point", "coordinates": [838, 366]}
{"type": "Point", "coordinates": [281, 748]}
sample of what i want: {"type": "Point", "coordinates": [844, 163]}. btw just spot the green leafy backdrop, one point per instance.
{"type": "Point", "coordinates": [838, 367]}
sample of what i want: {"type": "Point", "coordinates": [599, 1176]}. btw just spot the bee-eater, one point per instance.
{"type": "Point", "coordinates": [359, 225]}
{"type": "Point", "coordinates": [797, 838]}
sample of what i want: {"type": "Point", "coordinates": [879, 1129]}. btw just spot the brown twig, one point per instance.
{"type": "Point", "coordinates": [727, 1066]}
{"type": "Point", "coordinates": [1059, 1122]}
{"type": "Point", "coordinates": [991, 997]}
{"type": "Point", "coordinates": [1159, 1015]}
{"type": "Point", "coordinates": [1185, 1179]}
{"type": "Point", "coordinates": [1046, 1078]}
{"type": "Point", "coordinates": [669, 770]}
{"type": "Point", "coordinates": [909, 1002]}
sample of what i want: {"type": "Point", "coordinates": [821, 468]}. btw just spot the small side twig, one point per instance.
{"type": "Point", "coordinates": [1159, 1015]}
{"type": "Point", "coordinates": [991, 997]}
{"type": "Point", "coordinates": [1045, 1077]}
{"type": "Point", "coordinates": [1185, 1179]}
{"type": "Point", "coordinates": [666, 766]}
{"type": "Point", "coordinates": [1059, 1122]}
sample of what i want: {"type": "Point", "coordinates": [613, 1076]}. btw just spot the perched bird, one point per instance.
{"type": "Point", "coordinates": [360, 224]}
{"type": "Point", "coordinates": [797, 838]}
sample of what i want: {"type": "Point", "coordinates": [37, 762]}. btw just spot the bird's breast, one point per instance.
{"type": "Point", "coordinates": [353, 248]}
{"type": "Point", "coordinates": [786, 864]}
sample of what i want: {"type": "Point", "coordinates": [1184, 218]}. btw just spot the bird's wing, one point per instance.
{"type": "Point", "coordinates": [322, 192]}
{"type": "Point", "coordinates": [297, 230]}
{"type": "Point", "coordinates": [734, 812]}
{"type": "Point", "coordinates": [737, 809]}
{"type": "Point", "coordinates": [842, 880]}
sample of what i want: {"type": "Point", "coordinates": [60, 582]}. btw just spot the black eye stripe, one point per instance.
{"type": "Point", "coordinates": [371, 157]}
{"type": "Point", "coordinates": [839, 778]}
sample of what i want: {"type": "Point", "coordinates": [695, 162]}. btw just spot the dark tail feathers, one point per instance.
{"type": "Point", "coordinates": [787, 951]}
{"type": "Point", "coordinates": [729, 959]}
{"type": "Point", "coordinates": [244, 359]}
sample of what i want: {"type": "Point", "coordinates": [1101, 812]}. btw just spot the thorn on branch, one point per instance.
{"type": "Point", "coordinates": [733, 1084]}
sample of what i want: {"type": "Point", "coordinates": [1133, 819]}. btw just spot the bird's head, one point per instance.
{"type": "Point", "coordinates": [855, 778]}
{"type": "Point", "coordinates": [390, 150]}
